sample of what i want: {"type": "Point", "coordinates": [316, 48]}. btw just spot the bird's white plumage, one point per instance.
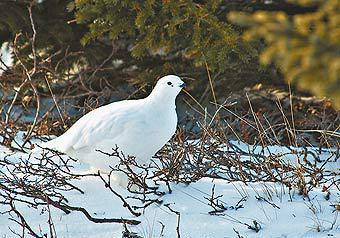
{"type": "Point", "coordinates": [138, 127]}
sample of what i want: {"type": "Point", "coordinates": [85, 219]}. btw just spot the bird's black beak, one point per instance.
{"type": "Point", "coordinates": [183, 85]}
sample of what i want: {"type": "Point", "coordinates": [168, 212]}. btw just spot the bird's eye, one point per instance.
{"type": "Point", "coordinates": [169, 83]}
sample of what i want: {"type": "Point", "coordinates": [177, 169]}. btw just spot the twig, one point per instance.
{"type": "Point", "coordinates": [29, 75]}
{"type": "Point", "coordinates": [178, 219]}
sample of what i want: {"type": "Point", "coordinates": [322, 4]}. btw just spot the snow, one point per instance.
{"type": "Point", "coordinates": [5, 56]}
{"type": "Point", "coordinates": [280, 212]}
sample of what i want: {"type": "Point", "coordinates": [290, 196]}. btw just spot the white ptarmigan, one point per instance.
{"type": "Point", "coordinates": [138, 127]}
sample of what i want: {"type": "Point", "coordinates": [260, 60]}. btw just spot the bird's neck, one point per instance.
{"type": "Point", "coordinates": [161, 101]}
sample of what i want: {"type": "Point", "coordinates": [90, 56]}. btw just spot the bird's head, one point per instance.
{"type": "Point", "coordinates": [168, 86]}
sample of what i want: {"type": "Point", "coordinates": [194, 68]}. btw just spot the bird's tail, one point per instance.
{"type": "Point", "coordinates": [54, 144]}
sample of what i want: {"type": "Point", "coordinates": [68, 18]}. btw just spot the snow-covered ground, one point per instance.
{"type": "Point", "coordinates": [270, 208]}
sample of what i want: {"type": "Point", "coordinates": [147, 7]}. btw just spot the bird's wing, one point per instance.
{"type": "Point", "coordinates": [106, 122]}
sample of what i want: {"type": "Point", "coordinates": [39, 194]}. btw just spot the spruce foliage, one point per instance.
{"type": "Point", "coordinates": [305, 46]}
{"type": "Point", "coordinates": [184, 30]}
